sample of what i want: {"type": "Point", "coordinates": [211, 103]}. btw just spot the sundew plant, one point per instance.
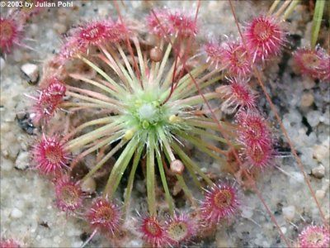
{"type": "Point", "coordinates": [160, 104]}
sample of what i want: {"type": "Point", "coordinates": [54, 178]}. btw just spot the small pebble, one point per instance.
{"type": "Point", "coordinates": [156, 54]}
{"type": "Point", "coordinates": [326, 117]}
{"type": "Point", "coordinates": [5, 127]}
{"type": "Point", "coordinates": [265, 244]}
{"type": "Point", "coordinates": [62, 15]}
{"type": "Point", "coordinates": [134, 243]}
{"type": "Point", "coordinates": [313, 118]}
{"type": "Point", "coordinates": [31, 71]}
{"type": "Point", "coordinates": [289, 212]}
{"type": "Point", "coordinates": [57, 239]}
{"type": "Point", "coordinates": [319, 171]}
{"type": "Point", "coordinates": [77, 244]}
{"type": "Point", "coordinates": [16, 213]}
{"type": "Point", "coordinates": [2, 63]}
{"type": "Point", "coordinates": [25, 122]}
{"type": "Point", "coordinates": [17, 55]}
{"type": "Point", "coordinates": [308, 83]}
{"type": "Point", "coordinates": [296, 177]}
{"type": "Point", "coordinates": [33, 29]}
{"type": "Point", "coordinates": [307, 100]}
{"type": "Point", "coordinates": [103, 12]}
{"type": "Point", "coordinates": [60, 28]}
{"type": "Point", "coordinates": [326, 184]}
{"type": "Point", "coordinates": [6, 164]}
{"type": "Point", "coordinates": [177, 167]}
{"type": "Point", "coordinates": [247, 213]}
{"type": "Point", "coordinates": [222, 240]}
{"type": "Point", "coordinates": [320, 194]}
{"type": "Point", "coordinates": [320, 152]}
{"type": "Point", "coordinates": [22, 161]}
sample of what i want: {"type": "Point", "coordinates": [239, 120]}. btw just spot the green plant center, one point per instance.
{"type": "Point", "coordinates": [147, 113]}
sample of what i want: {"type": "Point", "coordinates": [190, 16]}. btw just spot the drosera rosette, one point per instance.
{"type": "Point", "coordinates": [48, 100]}
{"type": "Point", "coordinates": [104, 216]}
{"type": "Point", "coordinates": [153, 232]}
{"type": "Point", "coordinates": [314, 236]}
{"type": "Point", "coordinates": [181, 228]}
{"type": "Point", "coordinates": [69, 195]}
{"type": "Point", "coordinates": [221, 202]}
{"type": "Point", "coordinates": [89, 35]}
{"type": "Point", "coordinates": [177, 27]}
{"type": "Point", "coordinates": [253, 130]}
{"type": "Point", "coordinates": [160, 30]}
{"type": "Point", "coordinates": [255, 136]}
{"type": "Point", "coordinates": [214, 53]}
{"type": "Point", "coordinates": [11, 32]}
{"type": "Point", "coordinates": [181, 24]}
{"type": "Point", "coordinates": [98, 32]}
{"type": "Point", "coordinates": [259, 157]}
{"type": "Point", "coordinates": [49, 155]}
{"type": "Point", "coordinates": [140, 108]}
{"type": "Point", "coordinates": [313, 62]}
{"type": "Point", "coordinates": [236, 59]}
{"type": "Point", "coordinates": [176, 23]}
{"type": "Point", "coordinates": [264, 37]}
{"type": "Point", "coordinates": [236, 95]}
